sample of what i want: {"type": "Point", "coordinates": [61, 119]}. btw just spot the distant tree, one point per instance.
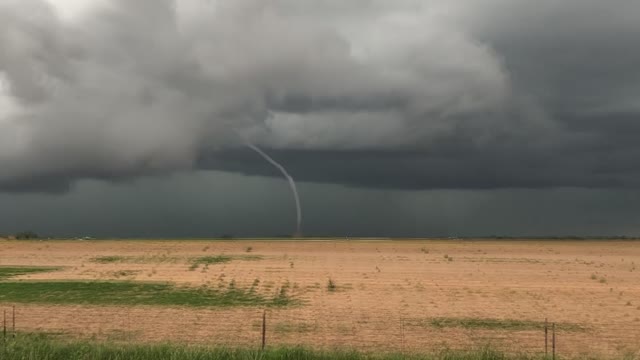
{"type": "Point", "coordinates": [227, 236]}
{"type": "Point", "coordinates": [25, 235]}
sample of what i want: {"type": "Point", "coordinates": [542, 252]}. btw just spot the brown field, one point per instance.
{"type": "Point", "coordinates": [387, 292]}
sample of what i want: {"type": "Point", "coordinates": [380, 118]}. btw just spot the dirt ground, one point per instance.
{"type": "Point", "coordinates": [387, 292]}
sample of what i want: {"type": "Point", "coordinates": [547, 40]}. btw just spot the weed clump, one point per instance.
{"type": "Point", "coordinates": [108, 259]}
{"type": "Point", "coordinates": [11, 271]}
{"type": "Point", "coordinates": [331, 285]}
{"type": "Point", "coordinates": [208, 260]}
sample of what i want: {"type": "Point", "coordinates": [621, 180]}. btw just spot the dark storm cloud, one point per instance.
{"type": "Point", "coordinates": [394, 94]}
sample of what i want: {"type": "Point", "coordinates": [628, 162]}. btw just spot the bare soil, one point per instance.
{"type": "Point", "coordinates": [386, 292]}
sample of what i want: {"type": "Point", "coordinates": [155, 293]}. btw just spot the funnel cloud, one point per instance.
{"type": "Point", "coordinates": [292, 185]}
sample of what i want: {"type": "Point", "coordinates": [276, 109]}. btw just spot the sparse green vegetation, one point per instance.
{"type": "Point", "coordinates": [502, 324]}
{"type": "Point", "coordinates": [45, 347]}
{"type": "Point", "coordinates": [148, 259]}
{"type": "Point", "coordinates": [108, 259]}
{"type": "Point", "coordinates": [124, 273]}
{"type": "Point", "coordinates": [247, 257]}
{"type": "Point", "coordinates": [208, 260]}
{"type": "Point", "coordinates": [282, 297]}
{"type": "Point", "coordinates": [220, 259]}
{"type": "Point", "coordinates": [132, 293]}
{"type": "Point", "coordinates": [7, 272]}
{"type": "Point", "coordinates": [254, 285]}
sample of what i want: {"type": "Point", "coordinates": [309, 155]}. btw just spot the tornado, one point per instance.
{"type": "Point", "coordinates": [292, 184]}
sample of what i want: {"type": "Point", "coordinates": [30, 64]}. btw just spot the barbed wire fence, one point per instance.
{"type": "Point", "coordinates": [328, 328]}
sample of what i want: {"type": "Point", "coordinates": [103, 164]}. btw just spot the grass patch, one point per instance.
{"type": "Point", "coordinates": [133, 293]}
{"type": "Point", "coordinates": [220, 259]}
{"type": "Point", "coordinates": [208, 260]}
{"type": "Point", "coordinates": [43, 347]}
{"type": "Point", "coordinates": [248, 257]}
{"type": "Point", "coordinates": [123, 273]}
{"type": "Point", "coordinates": [108, 259]}
{"type": "Point", "coordinates": [7, 272]}
{"type": "Point", "coordinates": [149, 259]}
{"type": "Point", "coordinates": [492, 324]}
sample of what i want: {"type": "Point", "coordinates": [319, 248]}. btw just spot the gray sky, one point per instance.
{"type": "Point", "coordinates": [405, 117]}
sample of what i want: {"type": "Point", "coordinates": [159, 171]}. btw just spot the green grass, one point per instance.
{"type": "Point", "coordinates": [493, 324]}
{"type": "Point", "coordinates": [248, 257]}
{"type": "Point", "coordinates": [7, 272]}
{"type": "Point", "coordinates": [133, 293]}
{"type": "Point", "coordinates": [220, 259]}
{"type": "Point", "coordinates": [209, 260]}
{"type": "Point", "coordinates": [147, 259]}
{"type": "Point", "coordinates": [108, 259]}
{"type": "Point", "coordinates": [44, 347]}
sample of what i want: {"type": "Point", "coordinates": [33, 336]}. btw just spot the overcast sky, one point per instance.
{"type": "Point", "coordinates": [396, 118]}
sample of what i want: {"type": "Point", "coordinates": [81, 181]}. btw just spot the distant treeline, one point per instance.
{"type": "Point", "coordinates": [23, 235]}
{"type": "Point", "coordinates": [26, 235]}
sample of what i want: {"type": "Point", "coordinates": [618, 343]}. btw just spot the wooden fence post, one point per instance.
{"type": "Point", "coordinates": [264, 329]}
{"type": "Point", "coordinates": [546, 337]}
{"type": "Point", "coordinates": [553, 340]}
{"type": "Point", "coordinates": [4, 333]}
{"type": "Point", "coordinates": [402, 333]}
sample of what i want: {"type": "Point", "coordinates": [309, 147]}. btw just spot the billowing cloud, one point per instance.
{"type": "Point", "coordinates": [405, 94]}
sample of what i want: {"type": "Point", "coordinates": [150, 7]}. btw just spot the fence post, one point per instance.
{"type": "Point", "coordinates": [546, 336]}
{"type": "Point", "coordinates": [264, 329]}
{"type": "Point", "coordinates": [402, 334]}
{"type": "Point", "coordinates": [4, 333]}
{"type": "Point", "coordinates": [553, 340]}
